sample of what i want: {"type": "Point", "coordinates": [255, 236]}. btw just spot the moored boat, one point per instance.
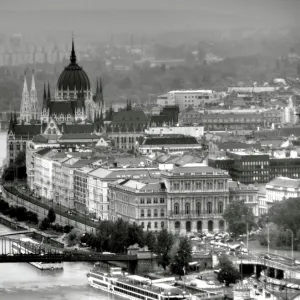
{"type": "Point", "coordinates": [133, 287]}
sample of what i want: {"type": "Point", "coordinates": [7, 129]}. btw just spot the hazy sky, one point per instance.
{"type": "Point", "coordinates": [23, 16]}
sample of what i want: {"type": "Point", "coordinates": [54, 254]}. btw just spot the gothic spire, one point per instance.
{"type": "Point", "coordinates": [11, 123]}
{"type": "Point", "coordinates": [49, 95]}
{"type": "Point", "coordinates": [25, 89]}
{"type": "Point", "coordinates": [97, 89]}
{"type": "Point", "coordinates": [101, 91]}
{"type": "Point", "coordinates": [73, 55]}
{"type": "Point", "coordinates": [32, 82]}
{"type": "Point", "coordinates": [45, 97]}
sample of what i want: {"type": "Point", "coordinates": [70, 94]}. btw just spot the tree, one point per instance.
{"type": "Point", "coordinates": [228, 273]}
{"type": "Point", "coordinates": [44, 224]}
{"type": "Point", "coordinates": [182, 257]}
{"type": "Point", "coordinates": [165, 241]}
{"type": "Point", "coordinates": [286, 214]}
{"type": "Point", "coordinates": [51, 215]}
{"type": "Point", "coordinates": [239, 215]}
{"type": "Point", "coordinates": [150, 240]}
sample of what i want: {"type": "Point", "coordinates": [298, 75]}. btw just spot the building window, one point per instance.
{"type": "Point", "coordinates": [142, 213]}
{"type": "Point", "coordinates": [142, 225]}
{"type": "Point", "coordinates": [11, 146]}
{"type": "Point", "coordinates": [149, 225]}
{"type": "Point", "coordinates": [187, 208]}
{"type": "Point", "coordinates": [187, 186]}
{"type": "Point", "coordinates": [198, 185]}
{"type": "Point", "coordinates": [209, 185]}
{"type": "Point", "coordinates": [220, 185]}
{"type": "Point", "coordinates": [18, 146]}
{"type": "Point", "coordinates": [162, 224]}
{"type": "Point", "coordinates": [209, 207]}
{"type": "Point", "coordinates": [155, 200]}
{"type": "Point", "coordinates": [220, 207]}
{"type": "Point", "coordinates": [155, 213]}
{"type": "Point", "coordinates": [176, 186]}
{"type": "Point", "coordinates": [155, 224]}
{"type": "Point", "coordinates": [198, 208]}
{"type": "Point", "coordinates": [162, 200]}
{"type": "Point", "coordinates": [176, 209]}
{"type": "Point", "coordinates": [142, 200]}
{"type": "Point", "coordinates": [148, 200]}
{"type": "Point", "coordinates": [162, 212]}
{"type": "Point", "coordinates": [149, 213]}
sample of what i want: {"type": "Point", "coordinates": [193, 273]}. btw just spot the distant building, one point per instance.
{"type": "Point", "coordinates": [171, 143]}
{"type": "Point", "coordinates": [282, 188]}
{"type": "Point", "coordinates": [186, 98]}
{"type": "Point", "coordinates": [253, 89]}
{"type": "Point", "coordinates": [167, 116]}
{"type": "Point", "coordinates": [194, 131]}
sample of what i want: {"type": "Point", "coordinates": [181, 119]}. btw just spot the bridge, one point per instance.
{"type": "Point", "coordinates": [276, 266]}
{"type": "Point", "coordinates": [15, 251]}
{"type": "Point", "coordinates": [15, 233]}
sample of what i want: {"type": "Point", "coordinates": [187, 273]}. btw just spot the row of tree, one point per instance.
{"type": "Point", "coordinates": [18, 212]}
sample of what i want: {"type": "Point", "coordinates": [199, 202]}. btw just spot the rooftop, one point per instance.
{"type": "Point", "coordinates": [195, 169]}
{"type": "Point", "coordinates": [192, 91]}
{"type": "Point", "coordinates": [285, 182]}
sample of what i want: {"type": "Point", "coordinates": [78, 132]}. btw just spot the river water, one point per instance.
{"type": "Point", "coordinates": [22, 281]}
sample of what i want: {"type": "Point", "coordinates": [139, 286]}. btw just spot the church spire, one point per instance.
{"type": "Point", "coordinates": [73, 55]}
{"type": "Point", "coordinates": [32, 82]}
{"type": "Point", "coordinates": [45, 98]}
{"type": "Point", "coordinates": [25, 89]}
{"type": "Point", "coordinates": [49, 95]}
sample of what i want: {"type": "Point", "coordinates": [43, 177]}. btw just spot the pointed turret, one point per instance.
{"type": "Point", "coordinates": [33, 82]}
{"type": "Point", "coordinates": [101, 91]}
{"type": "Point", "coordinates": [73, 55]}
{"type": "Point", "coordinates": [15, 118]}
{"type": "Point", "coordinates": [25, 88]}
{"type": "Point", "coordinates": [45, 100]}
{"type": "Point", "coordinates": [11, 126]}
{"type": "Point", "coordinates": [48, 95]}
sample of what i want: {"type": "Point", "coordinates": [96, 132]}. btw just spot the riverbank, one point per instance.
{"type": "Point", "coordinates": [15, 197]}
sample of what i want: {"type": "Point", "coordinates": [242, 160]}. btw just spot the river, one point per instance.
{"type": "Point", "coordinates": [23, 281]}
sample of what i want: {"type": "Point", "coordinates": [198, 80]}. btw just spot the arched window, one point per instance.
{"type": "Point", "coordinates": [198, 208]}
{"type": "Point", "coordinates": [176, 209]}
{"type": "Point", "coordinates": [220, 207]}
{"type": "Point", "coordinates": [155, 213]}
{"type": "Point", "coordinates": [162, 224]}
{"type": "Point", "coordinates": [142, 225]}
{"type": "Point", "coordinates": [149, 225]}
{"type": "Point", "coordinates": [162, 212]}
{"type": "Point", "coordinates": [155, 224]}
{"type": "Point", "coordinates": [149, 213]}
{"type": "Point", "coordinates": [142, 213]}
{"type": "Point", "coordinates": [187, 208]}
{"type": "Point", "coordinates": [18, 146]}
{"type": "Point", "coordinates": [11, 146]}
{"type": "Point", "coordinates": [209, 207]}
{"type": "Point", "coordinates": [54, 131]}
{"type": "Point", "coordinates": [177, 225]}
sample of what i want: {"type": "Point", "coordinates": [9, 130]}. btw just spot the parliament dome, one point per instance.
{"type": "Point", "coordinates": [73, 76]}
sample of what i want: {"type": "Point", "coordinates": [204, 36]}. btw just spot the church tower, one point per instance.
{"type": "Point", "coordinates": [33, 100]}
{"type": "Point", "coordinates": [25, 111]}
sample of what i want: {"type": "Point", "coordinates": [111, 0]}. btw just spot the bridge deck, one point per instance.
{"type": "Point", "coordinates": [64, 257]}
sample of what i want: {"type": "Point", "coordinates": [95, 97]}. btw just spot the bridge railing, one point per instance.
{"type": "Point", "coordinates": [264, 262]}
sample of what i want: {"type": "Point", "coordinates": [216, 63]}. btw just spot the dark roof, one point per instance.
{"type": "Point", "coordinates": [176, 139]}
{"type": "Point", "coordinates": [130, 117]}
{"type": "Point", "coordinates": [73, 77]}
{"type": "Point", "coordinates": [28, 131]}
{"type": "Point", "coordinates": [233, 146]}
{"type": "Point", "coordinates": [77, 128]}
{"type": "Point", "coordinates": [283, 132]}
{"type": "Point", "coordinates": [40, 138]}
{"type": "Point", "coordinates": [62, 107]}
{"type": "Point", "coordinates": [71, 136]}
{"type": "Point", "coordinates": [44, 151]}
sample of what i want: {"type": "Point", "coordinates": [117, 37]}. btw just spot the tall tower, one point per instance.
{"type": "Point", "coordinates": [25, 111]}
{"type": "Point", "coordinates": [33, 100]}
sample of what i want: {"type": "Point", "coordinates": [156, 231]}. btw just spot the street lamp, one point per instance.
{"type": "Point", "coordinates": [169, 293]}
{"type": "Point", "coordinates": [292, 245]}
